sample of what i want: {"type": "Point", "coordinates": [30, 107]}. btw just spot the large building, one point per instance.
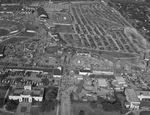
{"type": "Point", "coordinates": [56, 72]}
{"type": "Point", "coordinates": [132, 99]}
{"type": "Point", "coordinates": [26, 93]}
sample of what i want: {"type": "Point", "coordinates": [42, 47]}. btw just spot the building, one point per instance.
{"type": "Point", "coordinates": [84, 72]}
{"type": "Point", "coordinates": [133, 101]}
{"type": "Point", "coordinates": [121, 81]}
{"type": "Point", "coordinates": [103, 72]}
{"type": "Point", "coordinates": [102, 83]}
{"type": "Point", "coordinates": [143, 95]}
{"type": "Point", "coordinates": [56, 72]}
{"type": "Point", "coordinates": [26, 93]}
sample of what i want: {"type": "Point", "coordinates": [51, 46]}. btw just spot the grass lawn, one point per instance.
{"type": "Point", "coordinates": [23, 109]}
{"type": "Point", "coordinates": [36, 111]}
{"type": "Point", "coordinates": [85, 106]}
{"type": "Point", "coordinates": [2, 93]}
{"type": "Point", "coordinates": [13, 40]}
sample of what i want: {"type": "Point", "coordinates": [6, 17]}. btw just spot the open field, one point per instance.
{"type": "Point", "coordinates": [77, 106]}
{"type": "Point", "coordinates": [13, 40]}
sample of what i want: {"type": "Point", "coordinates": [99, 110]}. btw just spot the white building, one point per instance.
{"type": "Point", "coordinates": [85, 72]}
{"type": "Point", "coordinates": [121, 81]}
{"type": "Point", "coordinates": [103, 72]}
{"type": "Point", "coordinates": [133, 101]}
{"type": "Point", "coordinates": [102, 83]}
{"type": "Point", "coordinates": [26, 93]}
{"type": "Point", "coordinates": [143, 94]}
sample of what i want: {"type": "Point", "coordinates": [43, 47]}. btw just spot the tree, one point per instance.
{"type": "Point", "coordinates": [81, 112]}
{"type": "Point", "coordinates": [51, 94]}
{"type": "Point", "coordinates": [45, 81]}
{"type": "Point", "coordinates": [12, 105]}
{"type": "Point", "coordinates": [93, 104]}
{"type": "Point", "coordinates": [100, 100]}
{"type": "Point", "coordinates": [107, 106]}
{"type": "Point", "coordinates": [48, 105]}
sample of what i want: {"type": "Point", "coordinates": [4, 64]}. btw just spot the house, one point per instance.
{"type": "Point", "coordinates": [26, 93]}
{"type": "Point", "coordinates": [133, 101]}
{"type": "Point", "coordinates": [42, 13]}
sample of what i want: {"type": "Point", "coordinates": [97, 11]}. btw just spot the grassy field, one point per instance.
{"type": "Point", "coordinates": [85, 106]}
{"type": "Point", "coordinates": [14, 40]}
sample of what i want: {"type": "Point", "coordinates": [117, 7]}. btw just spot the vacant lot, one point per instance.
{"type": "Point", "coordinates": [85, 106]}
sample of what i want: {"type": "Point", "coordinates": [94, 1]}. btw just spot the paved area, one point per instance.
{"type": "Point", "coordinates": [65, 102]}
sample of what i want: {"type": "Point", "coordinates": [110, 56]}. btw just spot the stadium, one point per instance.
{"type": "Point", "coordinates": [9, 28]}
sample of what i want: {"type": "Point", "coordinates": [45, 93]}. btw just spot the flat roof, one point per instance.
{"type": "Point", "coordinates": [120, 79]}
{"type": "Point", "coordinates": [102, 82]}
{"type": "Point", "coordinates": [145, 93]}
{"type": "Point", "coordinates": [132, 95]}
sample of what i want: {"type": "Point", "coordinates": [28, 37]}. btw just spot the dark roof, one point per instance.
{"type": "Point", "coordinates": [57, 72]}
{"type": "Point", "coordinates": [82, 70]}
{"type": "Point", "coordinates": [41, 11]}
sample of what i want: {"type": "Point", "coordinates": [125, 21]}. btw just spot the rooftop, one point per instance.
{"type": "Point", "coordinates": [120, 79]}
{"type": "Point", "coordinates": [145, 93]}
{"type": "Point", "coordinates": [21, 91]}
{"type": "Point", "coordinates": [130, 93]}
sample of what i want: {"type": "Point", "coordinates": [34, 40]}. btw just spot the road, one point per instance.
{"type": "Point", "coordinates": [65, 107]}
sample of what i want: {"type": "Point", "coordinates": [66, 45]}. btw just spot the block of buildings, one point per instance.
{"type": "Point", "coordinates": [132, 99]}
{"type": "Point", "coordinates": [26, 93]}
